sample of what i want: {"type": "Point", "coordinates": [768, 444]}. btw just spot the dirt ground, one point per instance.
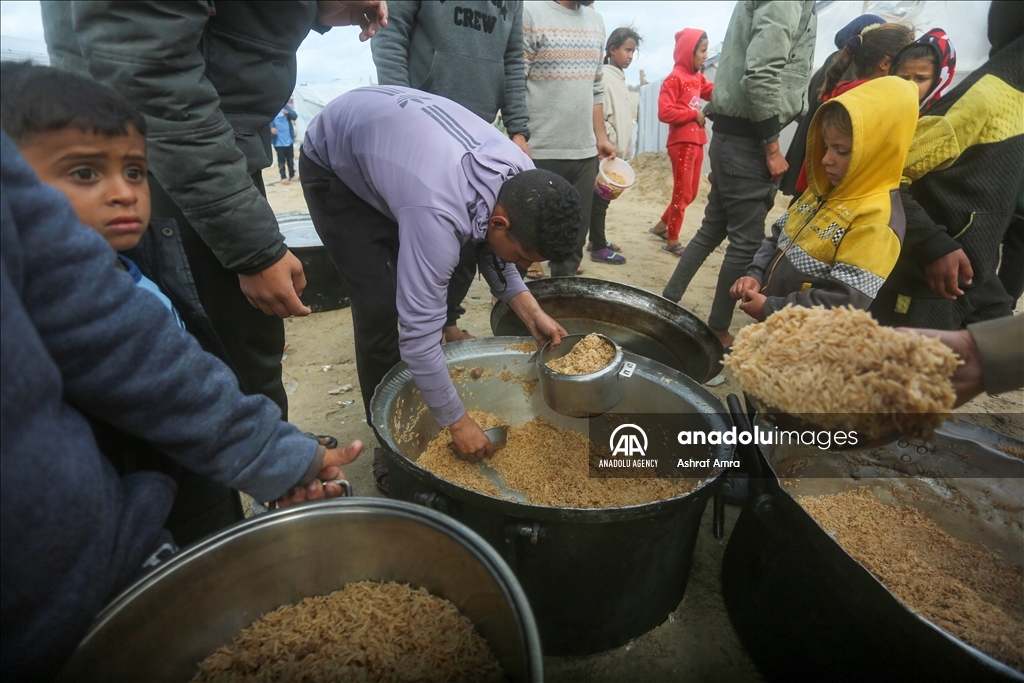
{"type": "Point", "coordinates": [698, 642]}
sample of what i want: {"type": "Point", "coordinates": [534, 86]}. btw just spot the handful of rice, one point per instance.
{"type": "Point", "coordinates": [842, 370]}
{"type": "Point", "coordinates": [592, 353]}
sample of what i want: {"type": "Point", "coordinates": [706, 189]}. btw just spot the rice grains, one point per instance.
{"type": "Point", "coordinates": [592, 353]}
{"type": "Point", "coordinates": [550, 465]}
{"type": "Point", "coordinates": [960, 588]}
{"type": "Point", "coordinates": [846, 370]}
{"type": "Point", "coordinates": [366, 631]}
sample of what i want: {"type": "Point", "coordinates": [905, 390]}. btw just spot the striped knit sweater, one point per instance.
{"type": "Point", "coordinates": [564, 50]}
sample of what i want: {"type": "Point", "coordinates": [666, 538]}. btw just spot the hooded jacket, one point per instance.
{"type": "Point", "coordinates": [937, 39]}
{"type": "Point", "coordinates": [838, 244]}
{"type": "Point", "coordinates": [681, 93]}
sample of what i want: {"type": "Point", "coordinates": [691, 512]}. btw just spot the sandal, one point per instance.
{"type": "Point", "coordinates": [614, 247]}
{"type": "Point", "coordinates": [535, 274]}
{"type": "Point", "coordinates": [380, 469]}
{"type": "Point", "coordinates": [606, 255]}
{"type": "Point", "coordinates": [676, 249]}
{"type": "Point", "coordinates": [663, 234]}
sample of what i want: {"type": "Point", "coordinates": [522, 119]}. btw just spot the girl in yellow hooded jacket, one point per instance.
{"type": "Point", "coordinates": [841, 238]}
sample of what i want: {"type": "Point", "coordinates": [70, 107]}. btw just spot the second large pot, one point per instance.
{"type": "Point", "coordinates": [595, 578]}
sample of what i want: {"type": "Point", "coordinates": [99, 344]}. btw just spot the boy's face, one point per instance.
{"type": "Point", "coordinates": [920, 72]}
{"type": "Point", "coordinates": [103, 176]}
{"type": "Point", "coordinates": [700, 55]}
{"type": "Point", "coordinates": [838, 146]}
{"type": "Point", "coordinates": [506, 247]}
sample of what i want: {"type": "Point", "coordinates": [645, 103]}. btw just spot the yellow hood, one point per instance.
{"type": "Point", "coordinates": [884, 112]}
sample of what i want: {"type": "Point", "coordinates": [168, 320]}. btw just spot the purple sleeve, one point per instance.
{"type": "Point", "coordinates": [427, 257]}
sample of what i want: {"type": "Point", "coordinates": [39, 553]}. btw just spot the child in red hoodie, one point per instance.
{"type": "Point", "coordinates": [679, 106]}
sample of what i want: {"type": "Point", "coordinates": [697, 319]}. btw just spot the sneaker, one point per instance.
{"type": "Point", "coordinates": [606, 255]}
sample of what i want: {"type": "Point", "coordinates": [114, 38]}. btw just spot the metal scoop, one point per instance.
{"type": "Point", "coordinates": [498, 436]}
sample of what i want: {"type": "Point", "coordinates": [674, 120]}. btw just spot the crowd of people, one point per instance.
{"type": "Point", "coordinates": [145, 280]}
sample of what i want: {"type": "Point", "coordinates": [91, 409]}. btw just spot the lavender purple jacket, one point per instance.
{"type": "Point", "coordinates": [435, 168]}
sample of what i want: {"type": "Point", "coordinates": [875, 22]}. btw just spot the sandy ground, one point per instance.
{"type": "Point", "coordinates": [698, 642]}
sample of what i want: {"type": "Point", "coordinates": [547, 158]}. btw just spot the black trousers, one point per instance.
{"type": "Point", "coordinates": [286, 156]}
{"type": "Point", "coordinates": [252, 341]}
{"type": "Point", "coordinates": [363, 244]}
{"type": "Point", "coordinates": [598, 212]}
{"type": "Point", "coordinates": [581, 173]}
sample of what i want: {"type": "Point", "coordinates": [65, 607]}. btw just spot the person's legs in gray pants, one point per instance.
{"type": "Point", "coordinates": [581, 173]}
{"type": "Point", "coordinates": [741, 195]}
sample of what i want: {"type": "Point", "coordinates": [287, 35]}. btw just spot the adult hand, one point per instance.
{"type": "Point", "coordinates": [317, 489]}
{"type": "Point", "coordinates": [943, 274]}
{"type": "Point", "coordinates": [469, 441]}
{"type": "Point", "coordinates": [777, 164]}
{"type": "Point", "coordinates": [743, 285]}
{"type": "Point", "coordinates": [369, 15]}
{"type": "Point", "coordinates": [605, 149]}
{"type": "Point", "coordinates": [967, 380]}
{"type": "Point", "coordinates": [753, 305]}
{"type": "Point", "coordinates": [520, 140]}
{"type": "Point", "coordinates": [275, 290]}
{"type": "Point", "coordinates": [701, 119]}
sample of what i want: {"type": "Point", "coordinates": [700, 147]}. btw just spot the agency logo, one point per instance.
{"type": "Point", "coordinates": [628, 440]}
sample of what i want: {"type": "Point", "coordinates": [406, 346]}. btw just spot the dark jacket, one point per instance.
{"type": "Point", "coordinates": [77, 339]}
{"type": "Point", "coordinates": [209, 77]}
{"type": "Point", "coordinates": [470, 52]}
{"type": "Point", "coordinates": [965, 174]}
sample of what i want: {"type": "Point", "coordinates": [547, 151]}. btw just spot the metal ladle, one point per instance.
{"type": "Point", "coordinates": [498, 436]}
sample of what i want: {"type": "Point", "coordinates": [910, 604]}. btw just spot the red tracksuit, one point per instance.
{"type": "Point", "coordinates": [678, 104]}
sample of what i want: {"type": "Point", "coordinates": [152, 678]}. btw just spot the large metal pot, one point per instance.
{"type": "Point", "coordinates": [641, 322]}
{"type": "Point", "coordinates": [161, 627]}
{"type": "Point", "coordinates": [595, 577]}
{"type": "Point", "coordinates": [805, 608]}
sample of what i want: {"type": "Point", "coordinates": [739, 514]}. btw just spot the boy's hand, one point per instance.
{"type": "Point", "coordinates": [777, 164]}
{"type": "Point", "coordinates": [273, 131]}
{"type": "Point", "coordinates": [943, 275]}
{"type": "Point", "coordinates": [316, 489]}
{"type": "Point", "coordinates": [743, 285]}
{"type": "Point", "coordinates": [469, 441]}
{"type": "Point", "coordinates": [276, 290]}
{"type": "Point", "coordinates": [520, 141]}
{"type": "Point", "coordinates": [753, 305]}
{"type": "Point", "coordinates": [701, 119]}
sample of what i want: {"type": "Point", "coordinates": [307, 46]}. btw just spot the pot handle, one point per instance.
{"type": "Point", "coordinates": [435, 501]}
{"type": "Point", "coordinates": [762, 502]}
{"type": "Point", "coordinates": [628, 368]}
{"type": "Point", "coordinates": [534, 531]}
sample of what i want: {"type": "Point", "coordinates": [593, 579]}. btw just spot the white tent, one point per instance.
{"type": "Point", "coordinates": [311, 98]}
{"type": "Point", "coordinates": [965, 22]}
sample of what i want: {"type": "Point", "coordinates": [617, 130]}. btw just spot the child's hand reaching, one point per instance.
{"type": "Point", "coordinates": [743, 285]}
{"type": "Point", "coordinates": [753, 304]}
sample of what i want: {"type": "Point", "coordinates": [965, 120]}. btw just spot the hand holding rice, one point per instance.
{"type": "Point", "coordinates": [842, 370]}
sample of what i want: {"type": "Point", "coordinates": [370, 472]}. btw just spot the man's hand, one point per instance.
{"type": "Point", "coordinates": [753, 305]}
{"type": "Point", "coordinates": [276, 290]}
{"type": "Point", "coordinates": [701, 119]}
{"type": "Point", "coordinates": [369, 15]}
{"type": "Point", "coordinates": [469, 441]}
{"type": "Point", "coordinates": [943, 274]}
{"type": "Point", "coordinates": [743, 285]}
{"type": "Point", "coordinates": [777, 164]}
{"type": "Point", "coordinates": [541, 325]}
{"type": "Point", "coordinates": [967, 380]}
{"type": "Point", "coordinates": [605, 149]}
{"type": "Point", "coordinates": [520, 140]}
{"type": "Point", "coordinates": [316, 489]}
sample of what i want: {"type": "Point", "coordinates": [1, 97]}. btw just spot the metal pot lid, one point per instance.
{"type": "Point", "coordinates": [297, 229]}
{"type": "Point", "coordinates": [639, 321]}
